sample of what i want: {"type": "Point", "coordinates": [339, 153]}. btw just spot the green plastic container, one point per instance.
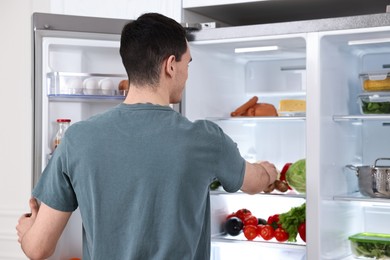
{"type": "Point", "coordinates": [370, 245]}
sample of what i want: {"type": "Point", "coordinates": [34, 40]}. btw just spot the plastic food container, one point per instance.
{"type": "Point", "coordinates": [374, 103]}
{"type": "Point", "coordinates": [376, 81]}
{"type": "Point", "coordinates": [370, 245]}
{"type": "Point", "coordinates": [66, 83]}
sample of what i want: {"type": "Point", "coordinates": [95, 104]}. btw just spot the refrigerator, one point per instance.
{"type": "Point", "coordinates": [320, 61]}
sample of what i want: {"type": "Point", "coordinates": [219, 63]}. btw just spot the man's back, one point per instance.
{"type": "Point", "coordinates": [141, 175]}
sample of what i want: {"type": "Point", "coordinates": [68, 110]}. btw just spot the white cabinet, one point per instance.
{"type": "Point", "coordinates": [204, 3]}
{"type": "Point", "coordinates": [122, 9]}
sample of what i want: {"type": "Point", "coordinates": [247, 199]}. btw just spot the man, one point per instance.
{"type": "Point", "coordinates": [140, 172]}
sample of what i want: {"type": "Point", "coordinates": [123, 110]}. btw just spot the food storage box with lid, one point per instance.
{"type": "Point", "coordinates": [374, 103]}
{"type": "Point", "coordinates": [370, 245]}
{"type": "Point", "coordinates": [375, 81]}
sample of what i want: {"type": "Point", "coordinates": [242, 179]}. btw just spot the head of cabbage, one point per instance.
{"type": "Point", "coordinates": [296, 176]}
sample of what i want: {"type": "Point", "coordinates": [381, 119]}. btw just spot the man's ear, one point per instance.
{"type": "Point", "coordinates": [170, 65]}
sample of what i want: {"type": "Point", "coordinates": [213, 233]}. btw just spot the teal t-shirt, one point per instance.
{"type": "Point", "coordinates": [140, 175]}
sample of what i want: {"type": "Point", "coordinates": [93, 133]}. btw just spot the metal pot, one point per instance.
{"type": "Point", "coordinates": [374, 181]}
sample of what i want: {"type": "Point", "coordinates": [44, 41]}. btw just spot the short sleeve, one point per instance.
{"type": "Point", "coordinates": [231, 165]}
{"type": "Point", "coordinates": [54, 187]}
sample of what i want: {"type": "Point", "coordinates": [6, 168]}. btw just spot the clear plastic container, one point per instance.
{"type": "Point", "coordinates": [64, 83]}
{"type": "Point", "coordinates": [370, 245]}
{"type": "Point", "coordinates": [376, 81]}
{"type": "Point", "coordinates": [374, 103]}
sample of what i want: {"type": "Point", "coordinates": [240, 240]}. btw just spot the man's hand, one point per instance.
{"type": "Point", "coordinates": [26, 221]}
{"type": "Point", "coordinates": [39, 231]}
{"type": "Point", "coordinates": [270, 169]}
{"type": "Point", "coordinates": [258, 176]}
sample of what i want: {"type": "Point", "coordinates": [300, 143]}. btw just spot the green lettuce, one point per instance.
{"type": "Point", "coordinates": [296, 176]}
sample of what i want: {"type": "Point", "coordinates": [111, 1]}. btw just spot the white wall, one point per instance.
{"type": "Point", "coordinates": [16, 94]}
{"type": "Point", "coordinates": [16, 117]}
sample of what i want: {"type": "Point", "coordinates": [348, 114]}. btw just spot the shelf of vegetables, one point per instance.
{"type": "Point", "coordinates": [222, 238]}
{"type": "Point", "coordinates": [287, 228]}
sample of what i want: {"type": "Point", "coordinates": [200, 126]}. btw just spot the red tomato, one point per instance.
{"type": "Point", "coordinates": [250, 232]}
{"type": "Point", "coordinates": [281, 235]}
{"type": "Point", "coordinates": [259, 227]}
{"type": "Point", "coordinates": [274, 221]}
{"type": "Point", "coordinates": [267, 232]}
{"type": "Point", "coordinates": [250, 220]}
{"type": "Point", "coordinates": [233, 214]}
{"type": "Point", "coordinates": [243, 213]}
{"type": "Point", "coordinates": [302, 230]}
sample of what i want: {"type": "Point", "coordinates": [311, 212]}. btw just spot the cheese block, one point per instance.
{"type": "Point", "coordinates": [292, 105]}
{"type": "Point", "coordinates": [377, 85]}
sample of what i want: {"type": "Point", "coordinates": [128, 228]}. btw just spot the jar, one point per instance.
{"type": "Point", "coordinates": [63, 125]}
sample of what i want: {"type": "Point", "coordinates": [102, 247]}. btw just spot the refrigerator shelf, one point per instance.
{"type": "Point", "coordinates": [222, 238]}
{"type": "Point", "coordinates": [291, 194]}
{"type": "Point", "coordinates": [339, 118]}
{"type": "Point", "coordinates": [85, 98]}
{"type": "Point", "coordinates": [77, 74]}
{"type": "Point", "coordinates": [350, 257]}
{"type": "Point", "coordinates": [357, 196]}
{"type": "Point", "coordinates": [258, 119]}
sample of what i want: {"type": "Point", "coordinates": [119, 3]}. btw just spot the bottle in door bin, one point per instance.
{"type": "Point", "coordinates": [63, 124]}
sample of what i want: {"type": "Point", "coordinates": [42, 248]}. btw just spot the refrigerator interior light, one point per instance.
{"type": "Point", "coordinates": [255, 49]}
{"type": "Point", "coordinates": [369, 41]}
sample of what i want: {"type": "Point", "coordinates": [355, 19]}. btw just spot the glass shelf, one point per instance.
{"type": "Point", "coordinates": [291, 194]}
{"type": "Point", "coordinates": [359, 197]}
{"type": "Point", "coordinates": [258, 119]}
{"type": "Point", "coordinates": [80, 74]}
{"type": "Point", "coordinates": [85, 98]}
{"type": "Point", "coordinates": [222, 238]}
{"type": "Point", "coordinates": [339, 118]}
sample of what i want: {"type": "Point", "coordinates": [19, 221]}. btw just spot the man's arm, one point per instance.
{"type": "Point", "coordinates": [38, 232]}
{"type": "Point", "coordinates": [258, 176]}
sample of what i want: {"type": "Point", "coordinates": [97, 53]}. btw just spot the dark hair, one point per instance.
{"type": "Point", "coordinates": [146, 42]}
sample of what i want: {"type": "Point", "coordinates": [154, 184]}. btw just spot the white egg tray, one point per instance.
{"type": "Point", "coordinates": [64, 83]}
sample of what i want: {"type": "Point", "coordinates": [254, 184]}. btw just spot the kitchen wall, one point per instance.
{"type": "Point", "coordinates": [16, 117]}
{"type": "Point", "coordinates": [16, 95]}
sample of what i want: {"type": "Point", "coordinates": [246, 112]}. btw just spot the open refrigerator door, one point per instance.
{"type": "Point", "coordinates": [77, 72]}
